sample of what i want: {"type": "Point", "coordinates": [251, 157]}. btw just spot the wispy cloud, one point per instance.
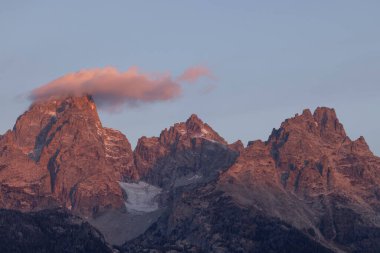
{"type": "Point", "coordinates": [193, 74]}
{"type": "Point", "coordinates": [112, 88]}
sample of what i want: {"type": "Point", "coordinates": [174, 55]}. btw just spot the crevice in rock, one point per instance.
{"type": "Point", "coordinates": [53, 168]}
{"type": "Point", "coordinates": [41, 139]}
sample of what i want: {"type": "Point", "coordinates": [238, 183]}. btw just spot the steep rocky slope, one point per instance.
{"type": "Point", "coordinates": [58, 154]}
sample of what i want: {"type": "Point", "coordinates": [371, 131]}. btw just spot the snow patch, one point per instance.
{"type": "Point", "coordinates": [210, 140]}
{"type": "Point", "coordinates": [99, 131]}
{"type": "Point", "coordinates": [204, 131]}
{"type": "Point", "coordinates": [195, 177]}
{"type": "Point", "coordinates": [51, 113]}
{"type": "Point", "coordinates": [182, 131]}
{"type": "Point", "coordinates": [141, 197]}
{"type": "Point", "coordinates": [111, 147]}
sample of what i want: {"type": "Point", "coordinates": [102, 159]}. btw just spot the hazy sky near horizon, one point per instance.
{"type": "Point", "coordinates": [270, 59]}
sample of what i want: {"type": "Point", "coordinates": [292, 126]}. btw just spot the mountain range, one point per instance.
{"type": "Point", "coordinates": [307, 188]}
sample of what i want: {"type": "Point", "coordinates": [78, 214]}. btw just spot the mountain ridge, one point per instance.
{"type": "Point", "coordinates": [308, 176]}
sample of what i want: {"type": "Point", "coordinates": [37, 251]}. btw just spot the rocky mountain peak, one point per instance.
{"type": "Point", "coordinates": [184, 149]}
{"type": "Point", "coordinates": [194, 127]}
{"type": "Point", "coordinates": [32, 127]}
{"type": "Point", "coordinates": [328, 122]}
{"type": "Point", "coordinates": [323, 125]}
{"type": "Point", "coordinates": [310, 174]}
{"type": "Point", "coordinates": [74, 161]}
{"type": "Point", "coordinates": [194, 122]}
{"type": "Point", "coordinates": [82, 103]}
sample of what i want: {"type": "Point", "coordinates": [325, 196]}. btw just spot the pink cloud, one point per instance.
{"type": "Point", "coordinates": [193, 74]}
{"type": "Point", "coordinates": [112, 88]}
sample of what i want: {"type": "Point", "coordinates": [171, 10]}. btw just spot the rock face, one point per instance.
{"type": "Point", "coordinates": [59, 154]}
{"type": "Point", "coordinates": [186, 153]}
{"type": "Point", "coordinates": [48, 231]}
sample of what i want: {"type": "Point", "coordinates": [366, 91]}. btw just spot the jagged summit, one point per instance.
{"type": "Point", "coordinates": [32, 127]}
{"type": "Point", "coordinates": [323, 124]}
{"type": "Point", "coordinates": [194, 120]}
{"type": "Point", "coordinates": [312, 136]}
{"type": "Point", "coordinates": [194, 117]}
{"type": "Point", "coordinates": [180, 148]}
{"type": "Point", "coordinates": [74, 161]}
{"type": "Point", "coordinates": [197, 128]}
{"type": "Point", "coordinates": [328, 122]}
{"type": "Point", "coordinates": [194, 127]}
{"type": "Point", "coordinates": [82, 102]}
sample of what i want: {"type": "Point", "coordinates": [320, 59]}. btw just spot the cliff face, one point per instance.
{"type": "Point", "coordinates": [58, 153]}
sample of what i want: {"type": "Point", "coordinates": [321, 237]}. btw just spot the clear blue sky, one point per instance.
{"type": "Point", "coordinates": [271, 59]}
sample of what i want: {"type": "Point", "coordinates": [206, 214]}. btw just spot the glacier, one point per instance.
{"type": "Point", "coordinates": [141, 197]}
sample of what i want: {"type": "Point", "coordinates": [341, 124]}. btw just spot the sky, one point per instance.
{"type": "Point", "coordinates": [269, 60]}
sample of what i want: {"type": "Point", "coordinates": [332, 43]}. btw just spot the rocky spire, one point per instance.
{"type": "Point", "coordinates": [328, 122]}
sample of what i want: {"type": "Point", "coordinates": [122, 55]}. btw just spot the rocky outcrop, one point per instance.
{"type": "Point", "coordinates": [186, 153]}
{"type": "Point", "coordinates": [58, 154]}
{"type": "Point", "coordinates": [48, 231]}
